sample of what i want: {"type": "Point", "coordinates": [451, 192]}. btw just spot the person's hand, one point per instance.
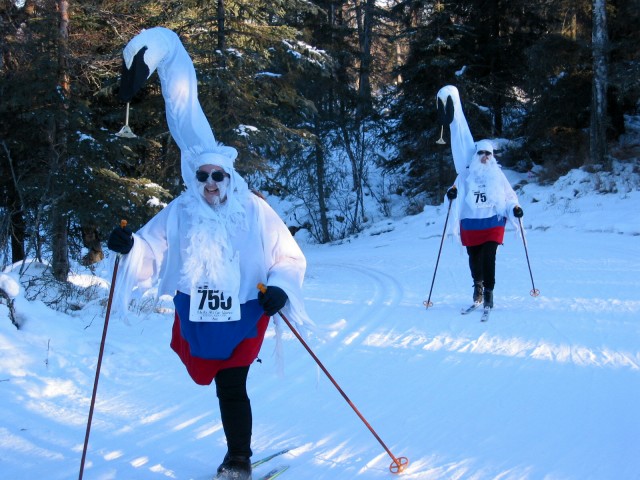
{"type": "Point", "coordinates": [120, 240]}
{"type": "Point", "coordinates": [517, 212]}
{"type": "Point", "coordinates": [452, 193]}
{"type": "Point", "coordinates": [272, 300]}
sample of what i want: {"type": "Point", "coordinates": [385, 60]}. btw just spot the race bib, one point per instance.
{"type": "Point", "coordinates": [477, 198]}
{"type": "Point", "coordinates": [213, 305]}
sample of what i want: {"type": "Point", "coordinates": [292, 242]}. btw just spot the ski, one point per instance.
{"type": "Point", "coordinates": [471, 308]}
{"type": "Point", "coordinates": [485, 314]}
{"type": "Point", "coordinates": [276, 472]}
{"type": "Point", "coordinates": [269, 457]}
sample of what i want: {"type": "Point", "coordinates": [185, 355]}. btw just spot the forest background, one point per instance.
{"type": "Point", "coordinates": [327, 102]}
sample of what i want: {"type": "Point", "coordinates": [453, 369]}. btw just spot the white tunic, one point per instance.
{"type": "Point", "coordinates": [268, 254]}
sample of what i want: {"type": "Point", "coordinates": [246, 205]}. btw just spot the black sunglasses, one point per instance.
{"type": "Point", "coordinates": [216, 175]}
{"type": "Point", "coordinates": [484, 152]}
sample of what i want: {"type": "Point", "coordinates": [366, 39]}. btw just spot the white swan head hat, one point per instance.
{"type": "Point", "coordinates": [160, 49]}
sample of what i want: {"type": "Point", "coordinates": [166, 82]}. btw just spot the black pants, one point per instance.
{"type": "Point", "coordinates": [235, 409]}
{"type": "Point", "coordinates": [482, 262]}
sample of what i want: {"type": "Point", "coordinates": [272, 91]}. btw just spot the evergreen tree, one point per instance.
{"type": "Point", "coordinates": [300, 89]}
{"type": "Point", "coordinates": [432, 40]}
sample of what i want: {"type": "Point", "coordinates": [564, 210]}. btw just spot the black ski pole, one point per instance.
{"type": "Point", "coordinates": [399, 463]}
{"type": "Point", "coordinates": [534, 292]}
{"type": "Point", "coordinates": [427, 303]}
{"type": "Point", "coordinates": [123, 224]}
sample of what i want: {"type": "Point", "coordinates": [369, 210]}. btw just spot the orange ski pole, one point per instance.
{"type": "Point", "coordinates": [123, 223]}
{"type": "Point", "coordinates": [399, 463]}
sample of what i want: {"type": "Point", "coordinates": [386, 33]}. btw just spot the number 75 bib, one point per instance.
{"type": "Point", "coordinates": [477, 198]}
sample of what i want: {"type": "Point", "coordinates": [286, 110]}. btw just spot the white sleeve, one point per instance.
{"type": "Point", "coordinates": [139, 268]}
{"type": "Point", "coordinates": [285, 262]}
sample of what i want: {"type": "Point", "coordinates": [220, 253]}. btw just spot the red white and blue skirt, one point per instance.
{"type": "Point", "coordinates": [205, 348]}
{"type": "Point", "coordinates": [476, 231]}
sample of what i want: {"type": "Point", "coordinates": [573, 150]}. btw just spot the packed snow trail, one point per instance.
{"type": "Point", "coordinates": [549, 387]}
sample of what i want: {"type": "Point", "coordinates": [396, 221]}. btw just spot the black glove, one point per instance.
{"type": "Point", "coordinates": [452, 193]}
{"type": "Point", "coordinates": [120, 240]}
{"type": "Point", "coordinates": [517, 212]}
{"type": "Point", "coordinates": [272, 300]}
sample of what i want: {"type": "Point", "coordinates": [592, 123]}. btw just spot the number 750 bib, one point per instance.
{"type": "Point", "coordinates": [213, 305]}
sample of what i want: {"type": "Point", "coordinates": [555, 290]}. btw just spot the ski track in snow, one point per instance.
{"type": "Point", "coordinates": [384, 293]}
{"type": "Point", "coordinates": [547, 389]}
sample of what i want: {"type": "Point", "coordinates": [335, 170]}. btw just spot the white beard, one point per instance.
{"type": "Point", "coordinates": [489, 176]}
{"type": "Point", "coordinates": [480, 170]}
{"type": "Point", "coordinates": [222, 188]}
{"type": "Point", "coordinates": [210, 255]}
{"type": "Point", "coordinates": [222, 192]}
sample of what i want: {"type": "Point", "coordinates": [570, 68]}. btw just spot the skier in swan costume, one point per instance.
{"type": "Point", "coordinates": [209, 249]}
{"type": "Point", "coordinates": [486, 197]}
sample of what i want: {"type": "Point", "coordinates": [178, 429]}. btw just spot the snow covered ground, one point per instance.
{"type": "Point", "coordinates": [549, 388]}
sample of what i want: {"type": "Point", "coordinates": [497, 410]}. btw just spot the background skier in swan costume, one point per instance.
{"type": "Point", "coordinates": [209, 248]}
{"type": "Point", "coordinates": [486, 199]}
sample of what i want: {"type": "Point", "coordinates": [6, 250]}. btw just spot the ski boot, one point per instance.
{"type": "Point", "coordinates": [477, 292]}
{"type": "Point", "coordinates": [234, 467]}
{"type": "Point", "coordinates": [488, 298]}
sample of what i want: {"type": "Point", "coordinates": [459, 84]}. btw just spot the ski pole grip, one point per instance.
{"type": "Point", "coordinates": [262, 287]}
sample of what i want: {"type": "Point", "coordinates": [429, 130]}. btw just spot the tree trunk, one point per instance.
{"type": "Point", "coordinates": [59, 153]}
{"type": "Point", "coordinates": [18, 232]}
{"type": "Point", "coordinates": [356, 158]}
{"type": "Point", "coordinates": [17, 226]}
{"type": "Point", "coordinates": [322, 201]}
{"type": "Point", "coordinates": [598, 128]}
{"type": "Point", "coordinates": [222, 39]}
{"type": "Point", "coordinates": [495, 61]}
{"type": "Point", "coordinates": [356, 149]}
{"type": "Point", "coordinates": [365, 20]}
